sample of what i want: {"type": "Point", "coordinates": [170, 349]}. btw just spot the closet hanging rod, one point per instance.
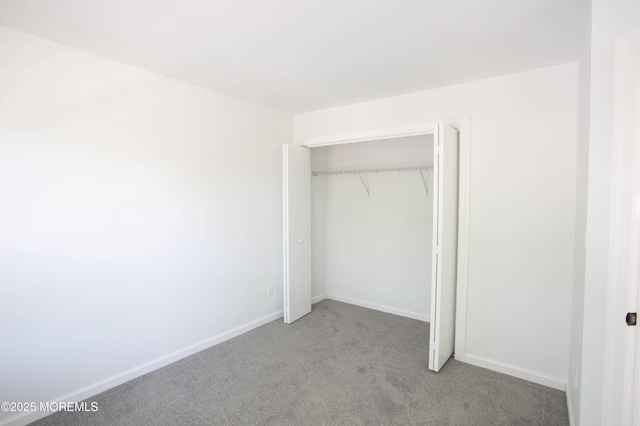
{"type": "Point", "coordinates": [379, 170]}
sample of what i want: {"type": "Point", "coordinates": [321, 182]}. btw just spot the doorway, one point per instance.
{"type": "Point", "coordinates": [444, 247]}
{"type": "Point", "coordinates": [371, 224]}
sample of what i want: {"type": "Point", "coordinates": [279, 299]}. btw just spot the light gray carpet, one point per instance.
{"type": "Point", "coordinates": [339, 365]}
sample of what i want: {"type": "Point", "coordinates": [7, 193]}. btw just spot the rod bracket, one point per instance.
{"type": "Point", "coordinates": [424, 182]}
{"type": "Point", "coordinates": [363, 183]}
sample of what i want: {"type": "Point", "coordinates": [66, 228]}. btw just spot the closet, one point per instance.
{"type": "Point", "coordinates": [374, 223]}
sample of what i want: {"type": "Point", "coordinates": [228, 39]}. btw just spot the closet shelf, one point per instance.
{"type": "Point", "coordinates": [365, 171]}
{"type": "Point", "coordinates": [359, 172]}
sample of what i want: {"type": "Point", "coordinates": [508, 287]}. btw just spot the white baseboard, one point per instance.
{"type": "Point", "coordinates": [376, 307]}
{"type": "Point", "coordinates": [515, 371]}
{"type": "Point", "coordinates": [140, 370]}
{"type": "Point", "coordinates": [318, 298]}
{"type": "Point", "coordinates": [572, 420]}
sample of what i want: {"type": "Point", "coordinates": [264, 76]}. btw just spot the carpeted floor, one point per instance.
{"type": "Point", "coordinates": [339, 365]}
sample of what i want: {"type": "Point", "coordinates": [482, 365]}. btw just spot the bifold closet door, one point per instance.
{"type": "Point", "coordinates": [445, 246]}
{"type": "Point", "coordinates": [297, 231]}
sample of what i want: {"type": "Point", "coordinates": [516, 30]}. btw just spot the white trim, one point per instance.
{"type": "Point", "coordinates": [318, 298]}
{"type": "Point", "coordinates": [368, 135]}
{"type": "Point", "coordinates": [285, 231]}
{"type": "Point", "coordinates": [620, 387]}
{"type": "Point", "coordinates": [464, 134]}
{"type": "Point", "coordinates": [377, 307]}
{"type": "Point", "coordinates": [569, 395]}
{"type": "Point", "coordinates": [515, 371]}
{"type": "Point", "coordinates": [142, 369]}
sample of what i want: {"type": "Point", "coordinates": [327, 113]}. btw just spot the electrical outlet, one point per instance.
{"type": "Point", "coordinates": [270, 290]}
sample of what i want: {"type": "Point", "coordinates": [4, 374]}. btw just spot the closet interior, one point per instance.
{"type": "Point", "coordinates": [375, 224]}
{"type": "Point", "coordinates": [372, 224]}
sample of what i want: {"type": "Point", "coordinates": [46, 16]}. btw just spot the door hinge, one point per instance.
{"type": "Point", "coordinates": [631, 318]}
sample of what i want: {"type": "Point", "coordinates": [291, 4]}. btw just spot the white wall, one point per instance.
{"type": "Point", "coordinates": [377, 247]}
{"type": "Point", "coordinates": [610, 20]}
{"type": "Point", "coordinates": [138, 216]}
{"type": "Point", "coordinates": [522, 201]}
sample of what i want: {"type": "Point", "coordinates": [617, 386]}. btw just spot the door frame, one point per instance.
{"type": "Point", "coordinates": [622, 351]}
{"type": "Point", "coordinates": [463, 126]}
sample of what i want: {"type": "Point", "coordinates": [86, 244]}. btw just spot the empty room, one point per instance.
{"type": "Point", "coordinates": [319, 212]}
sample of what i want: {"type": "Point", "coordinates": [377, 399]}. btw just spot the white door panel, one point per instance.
{"type": "Point", "coordinates": [445, 246]}
{"type": "Point", "coordinates": [297, 232]}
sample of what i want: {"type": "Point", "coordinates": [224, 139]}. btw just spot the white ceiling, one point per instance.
{"type": "Point", "coordinates": [303, 55]}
